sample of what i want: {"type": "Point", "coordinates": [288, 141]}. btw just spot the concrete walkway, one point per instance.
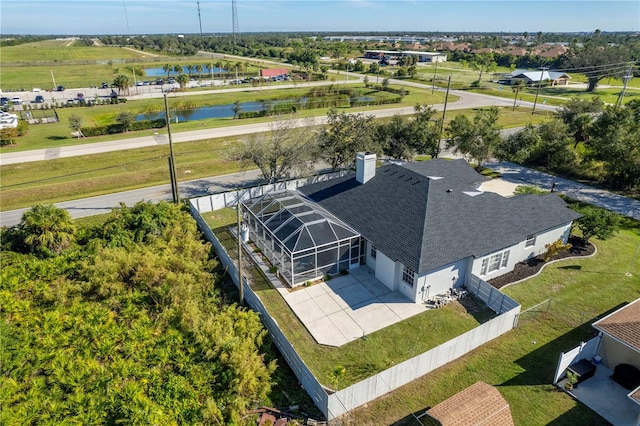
{"type": "Point", "coordinates": [575, 190]}
{"type": "Point", "coordinates": [349, 307]}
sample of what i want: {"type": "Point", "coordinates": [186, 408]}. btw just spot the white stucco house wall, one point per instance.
{"type": "Point", "coordinates": [425, 227]}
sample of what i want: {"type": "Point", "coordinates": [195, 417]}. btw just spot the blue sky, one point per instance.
{"type": "Point", "coordinates": [77, 17]}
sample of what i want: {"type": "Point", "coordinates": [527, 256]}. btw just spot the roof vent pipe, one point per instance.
{"type": "Point", "coordinates": [365, 166]}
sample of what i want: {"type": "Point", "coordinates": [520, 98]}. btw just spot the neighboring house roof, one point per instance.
{"type": "Point", "coordinates": [429, 214]}
{"type": "Point", "coordinates": [539, 75]}
{"type": "Point", "coordinates": [273, 72]}
{"type": "Point", "coordinates": [623, 324]}
{"type": "Point", "coordinates": [479, 404]}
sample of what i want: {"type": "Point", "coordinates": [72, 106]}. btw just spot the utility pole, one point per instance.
{"type": "Point", "coordinates": [54, 81]}
{"type": "Point", "coordinates": [535, 102]}
{"type": "Point", "coordinates": [239, 215]}
{"type": "Point", "coordinates": [626, 79]}
{"type": "Point", "coordinates": [172, 162]}
{"type": "Point", "coordinates": [444, 110]}
{"type": "Point", "coordinates": [435, 73]}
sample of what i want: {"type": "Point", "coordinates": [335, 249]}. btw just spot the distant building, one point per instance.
{"type": "Point", "coordinates": [394, 54]}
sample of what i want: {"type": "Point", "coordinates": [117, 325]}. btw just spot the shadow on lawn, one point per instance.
{"type": "Point", "coordinates": [540, 364]}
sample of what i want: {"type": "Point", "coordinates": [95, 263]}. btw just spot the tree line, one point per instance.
{"type": "Point", "coordinates": [123, 323]}
{"type": "Point", "coordinates": [585, 140]}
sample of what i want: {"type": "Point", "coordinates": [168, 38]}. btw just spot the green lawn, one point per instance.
{"type": "Point", "coordinates": [63, 50]}
{"type": "Point", "coordinates": [364, 357]}
{"type": "Point", "coordinates": [521, 363]}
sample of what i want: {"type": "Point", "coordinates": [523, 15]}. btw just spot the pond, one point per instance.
{"type": "Point", "coordinates": [223, 111]}
{"type": "Point", "coordinates": [159, 72]}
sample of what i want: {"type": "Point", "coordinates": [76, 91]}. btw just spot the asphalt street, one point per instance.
{"type": "Point", "coordinates": [468, 100]}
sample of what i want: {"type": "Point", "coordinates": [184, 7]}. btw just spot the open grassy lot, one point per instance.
{"type": "Point", "coordinates": [364, 357]}
{"type": "Point", "coordinates": [63, 179]}
{"type": "Point", "coordinates": [64, 50]}
{"type": "Point", "coordinates": [521, 363]}
{"type": "Point", "coordinates": [76, 177]}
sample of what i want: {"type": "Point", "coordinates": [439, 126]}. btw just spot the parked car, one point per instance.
{"type": "Point", "coordinates": [39, 99]}
{"type": "Point", "coordinates": [35, 89]}
{"type": "Point", "coordinates": [159, 81]}
{"type": "Point", "coordinates": [4, 101]}
{"type": "Point", "coordinates": [105, 85]}
{"type": "Point", "coordinates": [17, 100]}
{"type": "Point", "coordinates": [171, 80]}
{"type": "Point", "coordinates": [60, 89]}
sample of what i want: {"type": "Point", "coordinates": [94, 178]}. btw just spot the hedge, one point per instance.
{"type": "Point", "coordinates": [119, 128]}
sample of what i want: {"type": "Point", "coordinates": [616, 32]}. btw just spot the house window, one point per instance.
{"type": "Point", "coordinates": [495, 262]}
{"type": "Point", "coordinates": [485, 263]}
{"type": "Point", "coordinates": [531, 241]}
{"type": "Point", "coordinates": [408, 276]}
{"type": "Point", "coordinates": [505, 259]}
{"type": "Point", "coordinates": [374, 252]}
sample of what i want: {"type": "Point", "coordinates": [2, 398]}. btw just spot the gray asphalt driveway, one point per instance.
{"type": "Point", "coordinates": [575, 190]}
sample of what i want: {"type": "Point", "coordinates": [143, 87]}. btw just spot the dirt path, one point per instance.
{"type": "Point", "coordinates": [142, 53]}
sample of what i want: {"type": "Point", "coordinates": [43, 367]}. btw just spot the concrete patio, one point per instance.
{"type": "Point", "coordinates": [348, 307]}
{"type": "Point", "coordinates": [607, 398]}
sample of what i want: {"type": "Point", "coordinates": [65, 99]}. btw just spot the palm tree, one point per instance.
{"type": "Point", "coordinates": [47, 229]}
{"type": "Point", "coordinates": [199, 70]}
{"type": "Point", "coordinates": [122, 83]}
{"type": "Point", "coordinates": [182, 79]}
{"type": "Point", "coordinates": [189, 69]}
{"type": "Point", "coordinates": [237, 106]}
{"type": "Point", "coordinates": [516, 88]}
{"type": "Point", "coordinates": [219, 66]}
{"type": "Point", "coordinates": [177, 69]}
{"type": "Point", "coordinates": [167, 68]}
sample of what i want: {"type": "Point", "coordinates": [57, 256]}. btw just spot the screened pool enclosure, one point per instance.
{"type": "Point", "coordinates": [300, 238]}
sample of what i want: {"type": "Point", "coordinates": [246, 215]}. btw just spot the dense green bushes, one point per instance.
{"type": "Point", "coordinates": [123, 324]}
{"type": "Point", "coordinates": [121, 128]}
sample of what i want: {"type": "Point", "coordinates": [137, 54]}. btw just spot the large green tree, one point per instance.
{"type": "Point", "coordinates": [343, 136]}
{"type": "Point", "coordinates": [476, 139]}
{"type": "Point", "coordinates": [286, 149]}
{"type": "Point", "coordinates": [614, 137]}
{"type": "Point", "coordinates": [596, 222]}
{"type": "Point", "coordinates": [597, 61]}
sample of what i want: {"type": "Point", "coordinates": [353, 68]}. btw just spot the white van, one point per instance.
{"type": "Point", "coordinates": [16, 100]}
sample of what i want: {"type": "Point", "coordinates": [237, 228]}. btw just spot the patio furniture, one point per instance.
{"type": "Point", "coordinates": [627, 376]}
{"type": "Point", "coordinates": [582, 369]}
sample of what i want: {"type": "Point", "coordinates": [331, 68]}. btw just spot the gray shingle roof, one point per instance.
{"type": "Point", "coordinates": [419, 214]}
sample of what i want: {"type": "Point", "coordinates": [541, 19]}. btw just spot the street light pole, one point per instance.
{"type": "Point", "coordinates": [626, 79]}
{"type": "Point", "coordinates": [172, 162]}
{"type": "Point", "coordinates": [435, 73]}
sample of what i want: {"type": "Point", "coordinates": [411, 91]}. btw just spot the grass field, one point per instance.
{"type": "Point", "coordinates": [64, 50]}
{"type": "Point", "coordinates": [63, 179]}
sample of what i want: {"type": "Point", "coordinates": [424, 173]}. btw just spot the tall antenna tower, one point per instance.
{"type": "Point", "coordinates": [126, 17]}
{"type": "Point", "coordinates": [236, 26]}
{"type": "Point", "coordinates": [199, 18]}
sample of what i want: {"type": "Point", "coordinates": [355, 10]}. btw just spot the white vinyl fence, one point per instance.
{"type": "Point", "coordinates": [227, 199]}
{"type": "Point", "coordinates": [585, 351]}
{"type": "Point", "coordinates": [341, 402]}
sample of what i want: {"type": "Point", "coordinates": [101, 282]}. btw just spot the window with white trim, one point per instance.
{"type": "Point", "coordinates": [494, 262]}
{"type": "Point", "coordinates": [483, 269]}
{"type": "Point", "coordinates": [408, 276]}
{"type": "Point", "coordinates": [531, 241]}
{"type": "Point", "coordinates": [374, 252]}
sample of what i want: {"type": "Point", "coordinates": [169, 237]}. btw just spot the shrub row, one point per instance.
{"type": "Point", "coordinates": [395, 100]}
{"type": "Point", "coordinates": [120, 128]}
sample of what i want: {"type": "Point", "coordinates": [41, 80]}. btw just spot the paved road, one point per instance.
{"type": "Point", "coordinates": [467, 100]}
{"type": "Point", "coordinates": [103, 204]}
{"type": "Point", "coordinates": [599, 197]}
